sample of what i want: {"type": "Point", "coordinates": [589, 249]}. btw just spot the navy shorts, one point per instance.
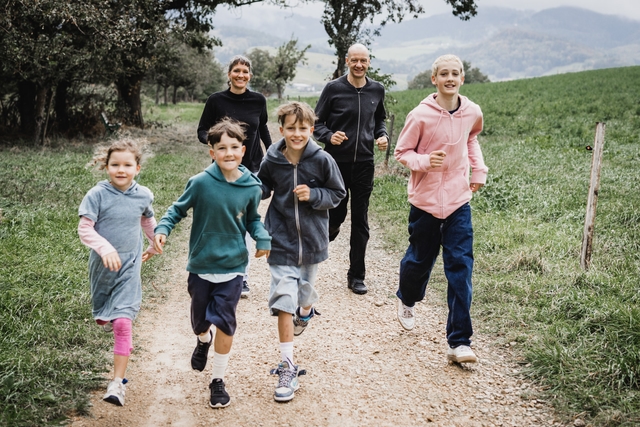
{"type": "Point", "coordinates": [214, 304]}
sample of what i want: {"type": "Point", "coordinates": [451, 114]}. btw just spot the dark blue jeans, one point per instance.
{"type": "Point", "coordinates": [358, 181]}
{"type": "Point", "coordinates": [455, 234]}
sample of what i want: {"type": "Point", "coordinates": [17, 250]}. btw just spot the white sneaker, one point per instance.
{"type": "Point", "coordinates": [406, 316]}
{"type": "Point", "coordinates": [461, 354]}
{"type": "Point", "coordinates": [115, 392]}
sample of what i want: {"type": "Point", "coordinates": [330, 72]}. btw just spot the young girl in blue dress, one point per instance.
{"type": "Point", "coordinates": [112, 215]}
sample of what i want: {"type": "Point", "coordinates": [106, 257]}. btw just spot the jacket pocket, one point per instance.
{"type": "Point", "coordinates": [217, 249]}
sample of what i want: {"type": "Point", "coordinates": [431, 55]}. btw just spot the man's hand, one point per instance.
{"type": "Point", "coordinates": [382, 143]}
{"type": "Point", "coordinates": [338, 137]}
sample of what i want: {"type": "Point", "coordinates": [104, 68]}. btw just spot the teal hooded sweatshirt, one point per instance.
{"type": "Point", "coordinates": [223, 212]}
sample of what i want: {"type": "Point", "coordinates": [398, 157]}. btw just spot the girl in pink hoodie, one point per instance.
{"type": "Point", "coordinates": [439, 145]}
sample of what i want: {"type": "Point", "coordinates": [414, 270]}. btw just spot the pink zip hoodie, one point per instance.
{"type": "Point", "coordinates": [429, 127]}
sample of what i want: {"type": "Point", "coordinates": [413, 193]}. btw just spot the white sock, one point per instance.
{"type": "Point", "coordinates": [304, 312]}
{"type": "Point", "coordinates": [220, 362]}
{"type": "Point", "coordinates": [206, 337]}
{"type": "Point", "coordinates": [286, 352]}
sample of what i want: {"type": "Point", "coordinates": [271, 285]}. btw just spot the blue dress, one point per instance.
{"type": "Point", "coordinates": [117, 215]}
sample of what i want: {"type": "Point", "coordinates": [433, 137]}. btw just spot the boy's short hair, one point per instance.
{"type": "Point", "coordinates": [303, 112]}
{"type": "Point", "coordinates": [444, 58]}
{"type": "Point", "coordinates": [233, 129]}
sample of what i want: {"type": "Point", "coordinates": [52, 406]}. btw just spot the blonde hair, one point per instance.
{"type": "Point", "coordinates": [303, 112]}
{"type": "Point", "coordinates": [446, 58]}
{"type": "Point", "coordinates": [233, 128]}
{"type": "Point", "coordinates": [102, 153]}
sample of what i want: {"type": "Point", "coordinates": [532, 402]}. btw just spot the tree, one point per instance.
{"type": "Point", "coordinates": [272, 73]}
{"type": "Point", "coordinates": [471, 75]}
{"type": "Point", "coordinates": [261, 63]}
{"type": "Point", "coordinates": [285, 63]}
{"type": "Point", "coordinates": [345, 21]}
{"type": "Point", "coordinates": [45, 44]}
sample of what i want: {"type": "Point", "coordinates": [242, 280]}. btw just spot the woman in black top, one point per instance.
{"type": "Point", "coordinates": [243, 105]}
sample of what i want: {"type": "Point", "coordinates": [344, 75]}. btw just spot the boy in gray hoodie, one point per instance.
{"type": "Point", "coordinates": [306, 183]}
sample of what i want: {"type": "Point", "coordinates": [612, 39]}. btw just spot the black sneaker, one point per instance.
{"type": "Point", "coordinates": [219, 396]}
{"type": "Point", "coordinates": [200, 353]}
{"type": "Point", "coordinates": [245, 290]}
{"type": "Point", "coordinates": [357, 286]}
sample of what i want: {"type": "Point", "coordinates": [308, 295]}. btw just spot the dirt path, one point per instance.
{"type": "Point", "coordinates": [363, 368]}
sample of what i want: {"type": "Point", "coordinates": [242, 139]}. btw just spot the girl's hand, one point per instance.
{"type": "Point", "coordinates": [303, 192]}
{"type": "Point", "coordinates": [436, 158]}
{"type": "Point", "coordinates": [112, 261]}
{"type": "Point", "coordinates": [146, 256]}
{"type": "Point", "coordinates": [474, 186]}
{"type": "Point", "coordinates": [158, 242]}
{"type": "Point", "coordinates": [262, 252]}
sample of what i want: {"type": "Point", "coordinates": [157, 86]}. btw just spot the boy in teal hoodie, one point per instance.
{"type": "Point", "coordinates": [225, 199]}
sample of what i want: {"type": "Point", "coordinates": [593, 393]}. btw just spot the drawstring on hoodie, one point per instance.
{"type": "Point", "coordinates": [443, 113]}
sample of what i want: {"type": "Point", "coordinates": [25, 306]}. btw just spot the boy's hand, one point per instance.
{"type": "Point", "coordinates": [303, 192]}
{"type": "Point", "coordinates": [338, 137]}
{"type": "Point", "coordinates": [112, 261]}
{"type": "Point", "coordinates": [436, 158]}
{"type": "Point", "coordinates": [382, 143]}
{"type": "Point", "coordinates": [474, 186]}
{"type": "Point", "coordinates": [262, 252]}
{"type": "Point", "coordinates": [146, 256]}
{"type": "Point", "coordinates": [158, 242]}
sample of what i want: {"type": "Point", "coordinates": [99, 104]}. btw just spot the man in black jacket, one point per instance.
{"type": "Point", "coordinates": [351, 118]}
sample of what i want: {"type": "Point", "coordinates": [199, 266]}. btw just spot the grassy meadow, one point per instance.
{"type": "Point", "coordinates": [576, 333]}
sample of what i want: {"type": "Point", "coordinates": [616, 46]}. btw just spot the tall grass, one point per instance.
{"type": "Point", "coordinates": [51, 352]}
{"type": "Point", "coordinates": [578, 332]}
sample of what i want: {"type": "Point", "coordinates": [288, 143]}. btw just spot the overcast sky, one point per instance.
{"type": "Point", "coordinates": [626, 8]}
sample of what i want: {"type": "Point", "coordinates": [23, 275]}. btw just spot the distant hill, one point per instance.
{"type": "Point", "coordinates": [504, 43]}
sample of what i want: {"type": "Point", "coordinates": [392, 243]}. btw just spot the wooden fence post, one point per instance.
{"type": "Point", "coordinates": [592, 200]}
{"type": "Point", "coordinates": [386, 157]}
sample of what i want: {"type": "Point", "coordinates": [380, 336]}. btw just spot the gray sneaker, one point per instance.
{"type": "Point", "coordinates": [115, 392]}
{"type": "Point", "coordinates": [300, 323]}
{"type": "Point", "coordinates": [287, 382]}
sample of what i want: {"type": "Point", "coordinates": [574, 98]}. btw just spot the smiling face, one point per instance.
{"type": "Point", "coordinates": [227, 153]}
{"type": "Point", "coordinates": [296, 133]}
{"type": "Point", "coordinates": [358, 61]}
{"type": "Point", "coordinates": [122, 168]}
{"type": "Point", "coordinates": [448, 78]}
{"type": "Point", "coordinates": [239, 76]}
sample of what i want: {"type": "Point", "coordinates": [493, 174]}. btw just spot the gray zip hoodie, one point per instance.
{"type": "Point", "coordinates": [299, 230]}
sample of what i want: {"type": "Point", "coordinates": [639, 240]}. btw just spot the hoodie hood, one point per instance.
{"type": "Point", "coordinates": [248, 179]}
{"type": "Point", "coordinates": [133, 189]}
{"type": "Point", "coordinates": [275, 155]}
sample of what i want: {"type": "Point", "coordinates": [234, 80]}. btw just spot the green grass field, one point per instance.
{"type": "Point", "coordinates": [576, 333]}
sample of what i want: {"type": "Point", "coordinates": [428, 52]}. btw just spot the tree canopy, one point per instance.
{"type": "Point", "coordinates": [346, 21]}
